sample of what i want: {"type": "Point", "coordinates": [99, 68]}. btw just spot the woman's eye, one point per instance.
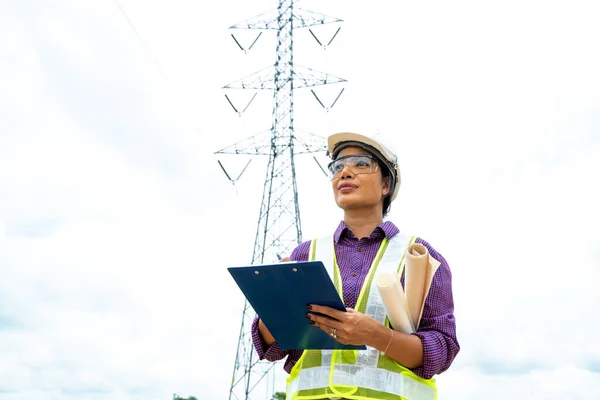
{"type": "Point", "coordinates": [362, 164]}
{"type": "Point", "coordinates": [338, 167]}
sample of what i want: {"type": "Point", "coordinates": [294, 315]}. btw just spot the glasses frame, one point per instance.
{"type": "Point", "coordinates": [374, 162]}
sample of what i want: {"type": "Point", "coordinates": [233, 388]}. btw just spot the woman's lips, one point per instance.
{"type": "Point", "coordinates": [346, 187]}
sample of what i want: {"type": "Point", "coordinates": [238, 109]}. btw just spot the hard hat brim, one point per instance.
{"type": "Point", "coordinates": [334, 140]}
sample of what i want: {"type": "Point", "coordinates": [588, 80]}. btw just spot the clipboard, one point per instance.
{"type": "Point", "coordinates": [279, 293]}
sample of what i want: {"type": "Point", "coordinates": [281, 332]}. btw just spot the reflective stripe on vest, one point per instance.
{"type": "Point", "coordinates": [363, 374]}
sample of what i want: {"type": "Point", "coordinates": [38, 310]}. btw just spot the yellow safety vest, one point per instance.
{"type": "Point", "coordinates": [358, 374]}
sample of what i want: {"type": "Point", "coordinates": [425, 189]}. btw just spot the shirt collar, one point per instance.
{"type": "Point", "coordinates": [386, 229]}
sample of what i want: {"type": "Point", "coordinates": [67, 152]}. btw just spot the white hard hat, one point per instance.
{"type": "Point", "coordinates": [339, 141]}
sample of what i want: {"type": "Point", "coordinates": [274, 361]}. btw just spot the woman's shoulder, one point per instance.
{"type": "Point", "coordinates": [301, 252]}
{"type": "Point", "coordinates": [432, 251]}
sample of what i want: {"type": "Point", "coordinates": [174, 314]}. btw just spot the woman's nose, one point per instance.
{"type": "Point", "coordinates": [346, 172]}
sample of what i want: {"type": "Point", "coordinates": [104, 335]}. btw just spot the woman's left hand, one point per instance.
{"type": "Point", "coordinates": [351, 327]}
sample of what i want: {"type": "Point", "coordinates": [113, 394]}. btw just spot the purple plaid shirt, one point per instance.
{"type": "Point", "coordinates": [437, 329]}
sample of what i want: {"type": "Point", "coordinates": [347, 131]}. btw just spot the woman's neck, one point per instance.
{"type": "Point", "coordinates": [362, 222]}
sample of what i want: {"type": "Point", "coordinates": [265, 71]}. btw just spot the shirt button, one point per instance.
{"type": "Point", "coordinates": [354, 274]}
{"type": "Point", "coordinates": [360, 249]}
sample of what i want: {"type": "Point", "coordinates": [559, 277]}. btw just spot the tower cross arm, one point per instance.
{"type": "Point", "coordinates": [306, 143]}
{"type": "Point", "coordinates": [307, 77]}
{"type": "Point", "coordinates": [302, 19]}
{"type": "Point", "coordinates": [257, 145]}
{"type": "Point", "coordinates": [302, 77]}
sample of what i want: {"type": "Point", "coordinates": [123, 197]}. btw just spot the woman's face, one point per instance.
{"type": "Point", "coordinates": [355, 191]}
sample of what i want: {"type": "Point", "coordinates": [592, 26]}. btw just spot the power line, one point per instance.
{"type": "Point", "coordinates": [171, 86]}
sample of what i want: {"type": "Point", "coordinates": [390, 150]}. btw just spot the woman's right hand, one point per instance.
{"type": "Point", "coordinates": [262, 328]}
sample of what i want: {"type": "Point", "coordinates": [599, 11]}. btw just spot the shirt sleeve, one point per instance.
{"type": "Point", "coordinates": [437, 329]}
{"type": "Point", "coordinates": [270, 353]}
{"type": "Point", "coordinates": [274, 352]}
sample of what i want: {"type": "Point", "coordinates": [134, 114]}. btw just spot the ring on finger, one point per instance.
{"type": "Point", "coordinates": [333, 334]}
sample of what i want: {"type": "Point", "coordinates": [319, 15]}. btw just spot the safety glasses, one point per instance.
{"type": "Point", "coordinates": [356, 163]}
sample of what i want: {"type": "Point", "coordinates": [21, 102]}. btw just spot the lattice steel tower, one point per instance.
{"type": "Point", "coordinates": [279, 228]}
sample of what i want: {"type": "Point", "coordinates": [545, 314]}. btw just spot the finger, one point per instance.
{"type": "Point", "coordinates": [331, 312]}
{"type": "Point", "coordinates": [325, 321]}
{"type": "Point", "coordinates": [285, 259]}
{"type": "Point", "coordinates": [340, 334]}
{"type": "Point", "coordinates": [327, 329]}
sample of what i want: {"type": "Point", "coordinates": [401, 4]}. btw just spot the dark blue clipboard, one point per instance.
{"type": "Point", "coordinates": [279, 293]}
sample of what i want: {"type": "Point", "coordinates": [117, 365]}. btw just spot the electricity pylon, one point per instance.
{"type": "Point", "coordinates": [279, 228]}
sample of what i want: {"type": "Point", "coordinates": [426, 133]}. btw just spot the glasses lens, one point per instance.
{"type": "Point", "coordinates": [358, 164]}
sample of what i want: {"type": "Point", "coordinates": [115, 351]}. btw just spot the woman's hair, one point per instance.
{"type": "Point", "coordinates": [387, 200]}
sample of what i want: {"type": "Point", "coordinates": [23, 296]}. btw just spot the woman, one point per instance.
{"type": "Point", "coordinates": [365, 180]}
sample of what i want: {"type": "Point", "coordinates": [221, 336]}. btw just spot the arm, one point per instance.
{"type": "Point", "coordinates": [402, 348]}
{"type": "Point", "coordinates": [264, 343]}
{"type": "Point", "coordinates": [437, 329]}
{"type": "Point", "coordinates": [353, 327]}
{"type": "Point", "coordinates": [431, 349]}
{"type": "Point", "coordinates": [427, 352]}
{"type": "Point", "coordinates": [265, 334]}
{"type": "Point", "coordinates": [264, 348]}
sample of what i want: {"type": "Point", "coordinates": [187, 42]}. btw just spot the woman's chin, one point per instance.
{"type": "Point", "coordinates": [347, 203]}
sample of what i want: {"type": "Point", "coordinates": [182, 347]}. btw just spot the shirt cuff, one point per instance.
{"type": "Point", "coordinates": [433, 354]}
{"type": "Point", "coordinates": [270, 353]}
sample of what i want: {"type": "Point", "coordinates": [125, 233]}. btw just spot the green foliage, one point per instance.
{"type": "Point", "coordinates": [278, 396]}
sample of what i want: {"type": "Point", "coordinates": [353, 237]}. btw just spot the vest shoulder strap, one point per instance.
{"type": "Point", "coordinates": [322, 249]}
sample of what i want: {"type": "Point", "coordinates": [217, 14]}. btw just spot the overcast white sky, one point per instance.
{"type": "Point", "coordinates": [117, 225]}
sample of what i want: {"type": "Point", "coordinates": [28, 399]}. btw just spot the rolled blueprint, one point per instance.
{"type": "Point", "coordinates": [418, 274]}
{"type": "Point", "coordinates": [392, 295]}
{"type": "Point", "coordinates": [405, 310]}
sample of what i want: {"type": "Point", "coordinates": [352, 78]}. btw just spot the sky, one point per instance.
{"type": "Point", "coordinates": [117, 224]}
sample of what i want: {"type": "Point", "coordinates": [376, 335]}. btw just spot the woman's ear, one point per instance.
{"type": "Point", "coordinates": [386, 186]}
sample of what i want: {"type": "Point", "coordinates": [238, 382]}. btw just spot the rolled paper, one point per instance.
{"type": "Point", "coordinates": [392, 295]}
{"type": "Point", "coordinates": [432, 267]}
{"type": "Point", "coordinates": [419, 270]}
{"type": "Point", "coordinates": [415, 270]}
